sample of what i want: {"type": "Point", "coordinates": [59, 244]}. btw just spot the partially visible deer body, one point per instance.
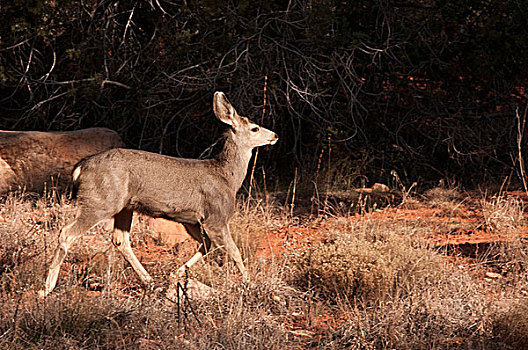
{"type": "Point", "coordinates": [200, 194]}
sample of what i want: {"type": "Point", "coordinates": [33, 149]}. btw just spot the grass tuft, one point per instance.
{"type": "Point", "coordinates": [502, 214]}
{"type": "Point", "coordinates": [362, 263]}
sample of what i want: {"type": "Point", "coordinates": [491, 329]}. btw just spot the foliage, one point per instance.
{"type": "Point", "coordinates": [426, 88]}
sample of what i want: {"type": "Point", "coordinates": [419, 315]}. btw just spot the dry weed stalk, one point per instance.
{"type": "Point", "coordinates": [520, 133]}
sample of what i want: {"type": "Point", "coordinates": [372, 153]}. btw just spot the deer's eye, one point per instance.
{"type": "Point", "coordinates": [255, 129]}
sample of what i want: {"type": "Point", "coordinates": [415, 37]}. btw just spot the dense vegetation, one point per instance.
{"type": "Point", "coordinates": [366, 282]}
{"type": "Point", "coordinates": [426, 88]}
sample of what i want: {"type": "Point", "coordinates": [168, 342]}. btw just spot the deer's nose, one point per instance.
{"type": "Point", "coordinates": [274, 139]}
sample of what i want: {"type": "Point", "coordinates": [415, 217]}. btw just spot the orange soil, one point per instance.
{"type": "Point", "coordinates": [464, 228]}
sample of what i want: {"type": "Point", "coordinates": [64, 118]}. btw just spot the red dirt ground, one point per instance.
{"type": "Point", "coordinates": [466, 228]}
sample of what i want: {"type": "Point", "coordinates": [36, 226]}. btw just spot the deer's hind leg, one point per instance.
{"type": "Point", "coordinates": [121, 240]}
{"type": "Point", "coordinates": [234, 253]}
{"type": "Point", "coordinates": [68, 235]}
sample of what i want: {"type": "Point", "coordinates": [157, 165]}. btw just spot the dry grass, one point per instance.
{"type": "Point", "coordinates": [447, 199]}
{"type": "Point", "coordinates": [395, 292]}
{"type": "Point", "coordinates": [368, 262]}
{"type": "Point", "coordinates": [368, 285]}
{"type": "Point", "coordinates": [505, 216]}
{"type": "Point", "coordinates": [511, 325]}
{"type": "Point", "coordinates": [502, 213]}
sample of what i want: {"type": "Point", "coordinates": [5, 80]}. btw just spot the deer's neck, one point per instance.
{"type": "Point", "coordinates": [234, 160]}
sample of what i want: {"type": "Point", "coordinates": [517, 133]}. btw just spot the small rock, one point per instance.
{"type": "Point", "coordinates": [303, 333]}
{"type": "Point", "coordinates": [380, 187]}
{"type": "Point", "coordinates": [192, 288]}
{"type": "Point", "coordinates": [493, 275]}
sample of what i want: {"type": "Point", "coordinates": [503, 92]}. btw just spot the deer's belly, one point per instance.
{"type": "Point", "coordinates": [167, 209]}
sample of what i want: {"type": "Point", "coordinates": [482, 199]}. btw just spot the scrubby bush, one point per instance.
{"type": "Point", "coordinates": [367, 265]}
{"type": "Point", "coordinates": [502, 214]}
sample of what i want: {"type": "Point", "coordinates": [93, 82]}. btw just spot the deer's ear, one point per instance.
{"type": "Point", "coordinates": [223, 109]}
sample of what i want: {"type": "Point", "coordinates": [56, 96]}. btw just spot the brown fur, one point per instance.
{"type": "Point", "coordinates": [198, 193]}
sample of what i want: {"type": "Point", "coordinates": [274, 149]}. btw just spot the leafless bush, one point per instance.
{"type": "Point", "coordinates": [378, 92]}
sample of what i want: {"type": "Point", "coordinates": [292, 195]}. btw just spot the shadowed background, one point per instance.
{"type": "Point", "coordinates": [427, 89]}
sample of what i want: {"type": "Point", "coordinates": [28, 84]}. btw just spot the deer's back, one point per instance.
{"type": "Point", "coordinates": [185, 190]}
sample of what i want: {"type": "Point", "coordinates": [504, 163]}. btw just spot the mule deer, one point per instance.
{"type": "Point", "coordinates": [200, 194]}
